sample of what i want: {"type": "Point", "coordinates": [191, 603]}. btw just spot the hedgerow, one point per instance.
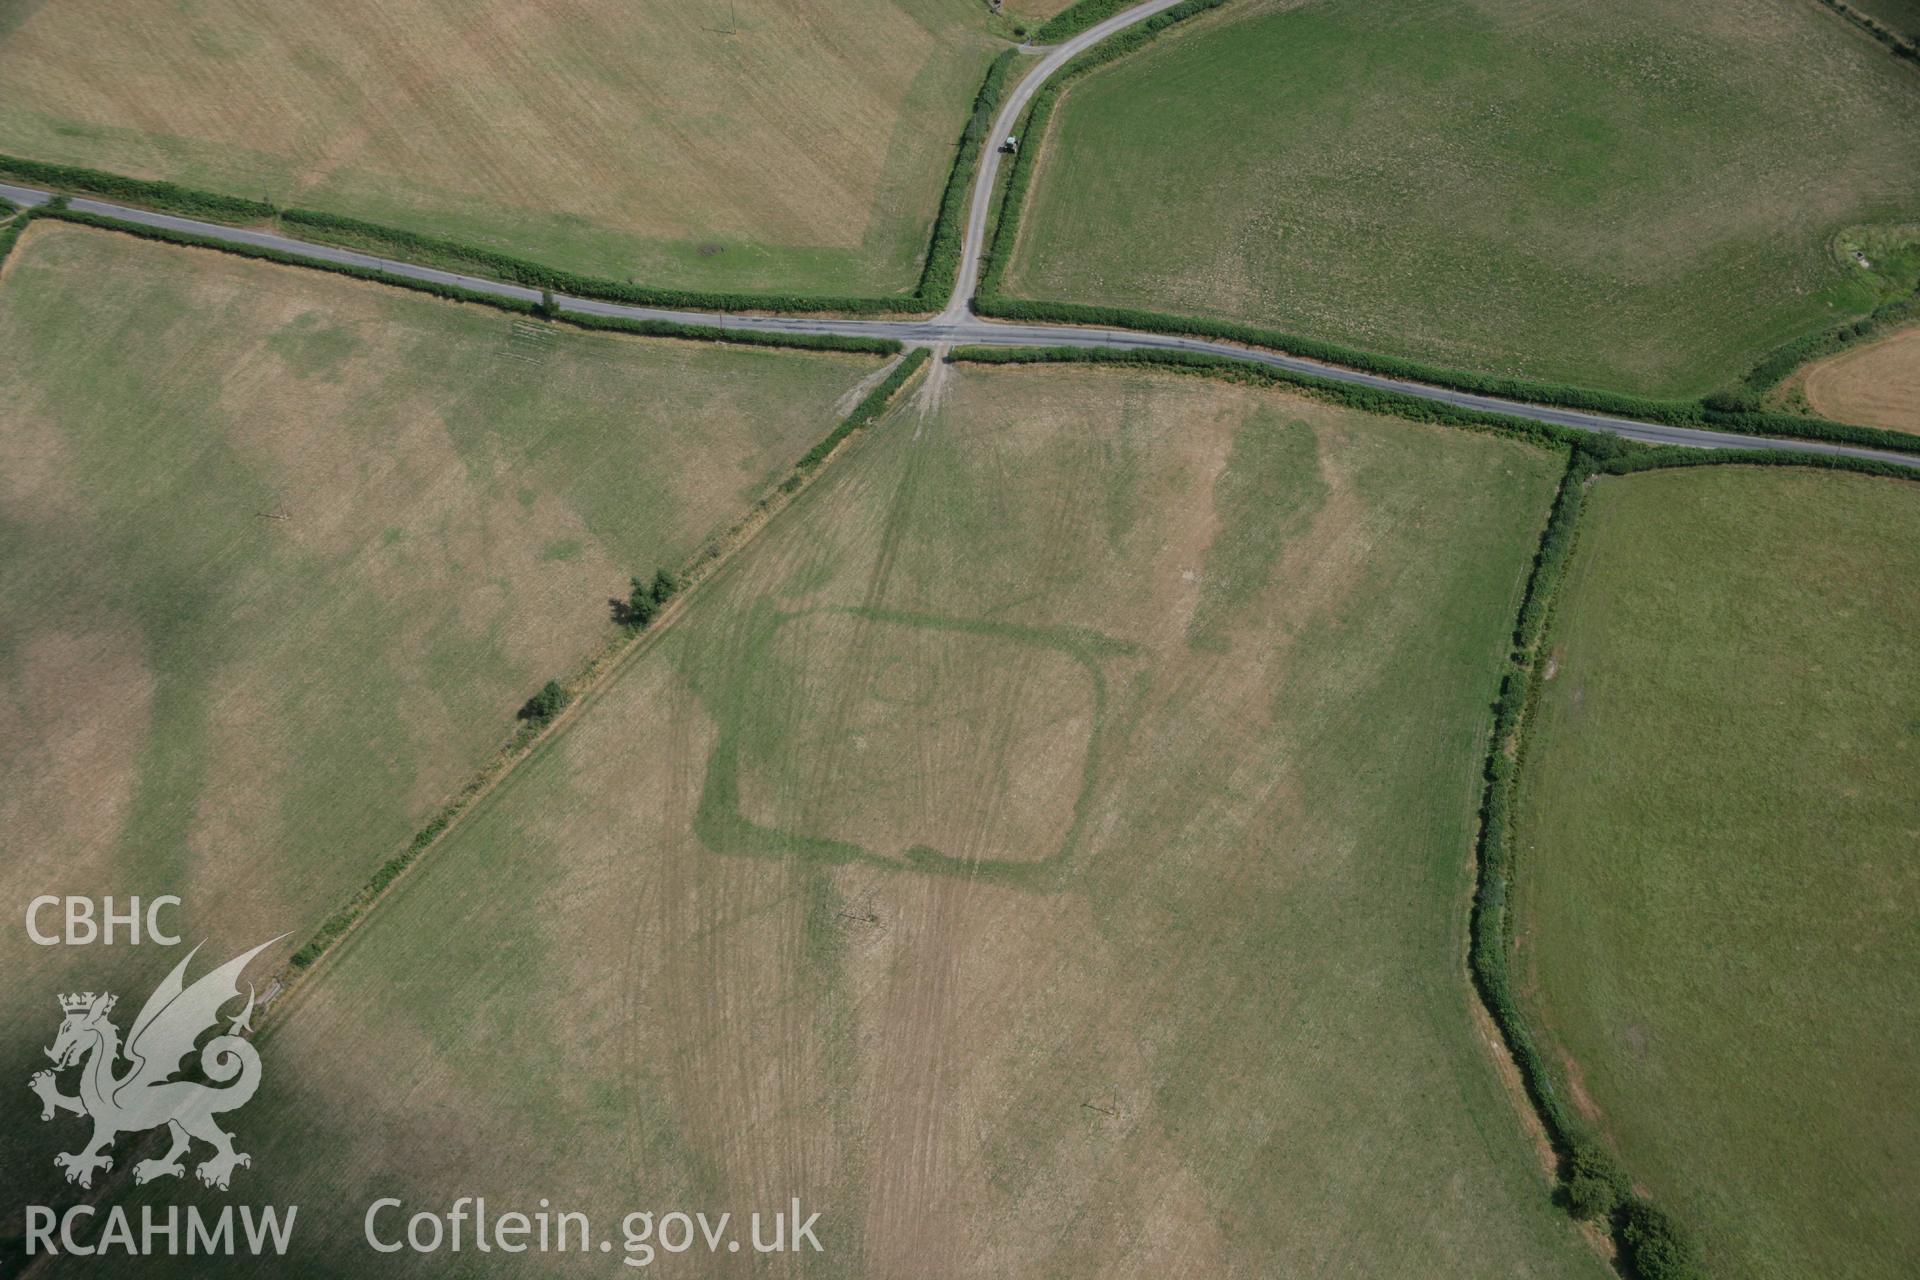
{"type": "Point", "coordinates": [1900, 44]}
{"type": "Point", "coordinates": [10, 234]}
{"type": "Point", "coordinates": [170, 236]}
{"type": "Point", "coordinates": [1013, 199]}
{"type": "Point", "coordinates": [863, 415]}
{"type": "Point", "coordinates": [950, 224]}
{"type": "Point", "coordinates": [457, 293]}
{"type": "Point", "coordinates": [739, 337]}
{"type": "Point", "coordinates": [341, 920]}
{"type": "Point", "coordinates": [1398, 404]}
{"type": "Point", "coordinates": [1669, 457]}
{"type": "Point", "coordinates": [1774, 368]}
{"type": "Point", "coordinates": [439, 251]}
{"type": "Point", "coordinates": [1593, 1185]}
{"type": "Point", "coordinates": [935, 285]}
{"type": "Point", "coordinates": [548, 703]}
{"type": "Point", "coordinates": [168, 196]}
{"type": "Point", "coordinates": [1074, 19]}
{"type": "Point", "coordinates": [1711, 413]}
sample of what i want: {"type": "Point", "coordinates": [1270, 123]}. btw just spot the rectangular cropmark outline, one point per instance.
{"type": "Point", "coordinates": [720, 825]}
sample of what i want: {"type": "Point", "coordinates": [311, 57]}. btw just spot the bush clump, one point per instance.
{"type": "Point", "coordinates": [543, 706]}
{"type": "Point", "coordinates": [646, 599]}
{"type": "Point", "coordinates": [1655, 1245]}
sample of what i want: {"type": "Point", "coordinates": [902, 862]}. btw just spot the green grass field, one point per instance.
{"type": "Point", "coordinates": [281, 553]}
{"type": "Point", "coordinates": [1642, 196]}
{"type": "Point", "coordinates": [1718, 873]}
{"type": "Point", "coordinates": [1044, 851]}
{"type": "Point", "coordinates": [1902, 16]}
{"type": "Point", "coordinates": [725, 144]}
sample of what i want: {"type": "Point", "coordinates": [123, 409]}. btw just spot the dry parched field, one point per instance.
{"type": "Point", "coordinates": [280, 554]}
{"type": "Point", "coordinates": [1719, 871]}
{"type": "Point", "coordinates": [1877, 384]}
{"type": "Point", "coordinates": [1042, 851]}
{"type": "Point", "coordinates": [696, 143]}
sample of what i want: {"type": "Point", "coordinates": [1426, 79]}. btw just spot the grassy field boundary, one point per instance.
{"type": "Point", "coordinates": [593, 674]}
{"type": "Point", "coordinates": [1783, 361]}
{"type": "Point", "coordinates": [1899, 43]}
{"type": "Point", "coordinates": [1014, 196]}
{"type": "Point", "coordinates": [10, 234]}
{"type": "Point", "coordinates": [1075, 18]}
{"type": "Point", "coordinates": [454, 293]}
{"type": "Point", "coordinates": [1717, 412]}
{"type": "Point", "coordinates": [1594, 1186]}
{"type": "Point", "coordinates": [1738, 411]}
{"type": "Point", "coordinates": [938, 271]}
{"type": "Point", "coordinates": [1349, 395]}
{"type": "Point", "coordinates": [942, 267]}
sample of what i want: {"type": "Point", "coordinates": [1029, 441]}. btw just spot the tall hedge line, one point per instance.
{"type": "Point", "coordinates": [1899, 43]}
{"type": "Point", "coordinates": [738, 337]}
{"type": "Point", "coordinates": [1776, 365]}
{"type": "Point", "coordinates": [869, 408]}
{"type": "Point", "coordinates": [1370, 399]}
{"type": "Point", "coordinates": [1593, 1184]}
{"type": "Point", "coordinates": [1714, 413]}
{"type": "Point", "coordinates": [1013, 198]}
{"type": "Point", "coordinates": [10, 234]}
{"type": "Point", "coordinates": [1074, 19]}
{"type": "Point", "coordinates": [932, 292]}
{"type": "Point", "coordinates": [950, 224]}
{"type": "Point", "coordinates": [169, 197]}
{"type": "Point", "coordinates": [1669, 457]}
{"type": "Point", "coordinates": [456, 293]}
{"type": "Point", "coordinates": [170, 236]}
{"type": "Point", "coordinates": [1721, 413]}
{"type": "Point", "coordinates": [441, 251]}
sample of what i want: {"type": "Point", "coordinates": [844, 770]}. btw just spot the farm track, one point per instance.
{"type": "Point", "coordinates": [957, 324]}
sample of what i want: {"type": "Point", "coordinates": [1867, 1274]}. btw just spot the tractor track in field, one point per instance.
{"type": "Point", "coordinates": [957, 324]}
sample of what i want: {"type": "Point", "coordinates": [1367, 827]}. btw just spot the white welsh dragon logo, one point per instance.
{"type": "Point", "coordinates": [146, 1097]}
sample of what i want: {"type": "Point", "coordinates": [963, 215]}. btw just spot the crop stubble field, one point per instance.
{"type": "Point", "coordinates": [733, 144]}
{"type": "Point", "coordinates": [1644, 196]}
{"type": "Point", "coordinates": [1877, 384]}
{"type": "Point", "coordinates": [280, 554]}
{"type": "Point", "coordinates": [1718, 890]}
{"type": "Point", "coordinates": [1043, 851]}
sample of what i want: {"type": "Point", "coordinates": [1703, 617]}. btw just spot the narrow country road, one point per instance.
{"type": "Point", "coordinates": [957, 324]}
{"type": "Point", "coordinates": [973, 242]}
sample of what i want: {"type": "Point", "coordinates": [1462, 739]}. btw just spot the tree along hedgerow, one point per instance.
{"type": "Point", "coordinates": [1593, 1185]}
{"type": "Point", "coordinates": [663, 585]}
{"type": "Point", "coordinates": [543, 706]}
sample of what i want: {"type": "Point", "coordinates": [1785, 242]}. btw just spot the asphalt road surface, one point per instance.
{"type": "Point", "coordinates": [957, 324]}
